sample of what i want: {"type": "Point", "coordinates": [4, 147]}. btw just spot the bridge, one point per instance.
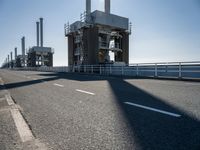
{"type": "Point", "coordinates": [95, 107]}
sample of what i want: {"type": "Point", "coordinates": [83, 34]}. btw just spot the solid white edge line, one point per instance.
{"type": "Point", "coordinates": [21, 125]}
{"type": "Point", "coordinates": [22, 128]}
{"type": "Point", "coordinates": [9, 100]}
{"type": "Point", "coordinates": [85, 92]}
{"type": "Point", "coordinates": [58, 85]}
{"type": "Point", "coordinates": [153, 109]}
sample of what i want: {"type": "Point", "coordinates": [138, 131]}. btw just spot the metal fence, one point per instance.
{"type": "Point", "coordinates": [167, 70]}
{"type": "Point", "coordinates": [46, 69]}
{"type": "Point", "coordinates": [158, 70]}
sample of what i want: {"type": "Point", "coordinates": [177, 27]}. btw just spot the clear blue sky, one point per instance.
{"type": "Point", "coordinates": [163, 30]}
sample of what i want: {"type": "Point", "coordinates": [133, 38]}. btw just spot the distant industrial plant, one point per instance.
{"type": "Point", "coordinates": [35, 56]}
{"type": "Point", "coordinates": [97, 38]}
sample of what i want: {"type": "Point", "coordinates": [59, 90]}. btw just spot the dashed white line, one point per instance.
{"type": "Point", "coordinates": [58, 85]}
{"type": "Point", "coordinates": [86, 92]}
{"type": "Point", "coordinates": [153, 109]}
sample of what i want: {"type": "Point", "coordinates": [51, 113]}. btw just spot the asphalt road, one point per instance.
{"type": "Point", "coordinates": [72, 111]}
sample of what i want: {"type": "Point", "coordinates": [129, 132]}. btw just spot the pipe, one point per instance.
{"type": "Point", "coordinates": [107, 6]}
{"type": "Point", "coordinates": [37, 32]}
{"type": "Point", "coordinates": [41, 32]}
{"type": "Point", "coordinates": [88, 7]}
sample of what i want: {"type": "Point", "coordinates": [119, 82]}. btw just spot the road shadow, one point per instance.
{"type": "Point", "coordinates": [152, 130]}
{"type": "Point", "coordinates": [28, 83]}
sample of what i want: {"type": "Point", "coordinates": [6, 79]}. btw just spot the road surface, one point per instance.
{"type": "Point", "coordinates": [72, 111]}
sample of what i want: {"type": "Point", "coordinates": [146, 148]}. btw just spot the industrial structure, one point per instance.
{"type": "Point", "coordinates": [21, 60]}
{"type": "Point", "coordinates": [39, 55]}
{"type": "Point", "coordinates": [98, 38]}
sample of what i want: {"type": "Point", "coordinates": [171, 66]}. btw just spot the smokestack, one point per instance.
{"type": "Point", "coordinates": [37, 32]}
{"type": "Point", "coordinates": [88, 7]}
{"type": "Point", "coordinates": [15, 53]}
{"type": "Point", "coordinates": [11, 58]}
{"type": "Point", "coordinates": [107, 6]}
{"type": "Point", "coordinates": [23, 46]}
{"type": "Point", "coordinates": [8, 62]}
{"type": "Point", "coordinates": [41, 32]}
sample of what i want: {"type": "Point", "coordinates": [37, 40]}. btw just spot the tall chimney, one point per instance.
{"type": "Point", "coordinates": [8, 62]}
{"type": "Point", "coordinates": [41, 32]}
{"type": "Point", "coordinates": [15, 53]}
{"type": "Point", "coordinates": [37, 32]}
{"type": "Point", "coordinates": [107, 6]}
{"type": "Point", "coordinates": [11, 58]}
{"type": "Point", "coordinates": [88, 7]}
{"type": "Point", "coordinates": [23, 46]}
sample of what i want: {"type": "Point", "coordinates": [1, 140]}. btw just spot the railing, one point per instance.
{"type": "Point", "coordinates": [179, 70]}
{"type": "Point", "coordinates": [45, 69]}
{"type": "Point", "coordinates": [157, 70]}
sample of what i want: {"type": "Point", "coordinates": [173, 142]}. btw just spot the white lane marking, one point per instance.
{"type": "Point", "coordinates": [28, 77]}
{"type": "Point", "coordinates": [84, 92]}
{"type": "Point", "coordinates": [22, 128]}
{"type": "Point", "coordinates": [58, 85]}
{"type": "Point", "coordinates": [9, 100]}
{"type": "Point", "coordinates": [153, 109]}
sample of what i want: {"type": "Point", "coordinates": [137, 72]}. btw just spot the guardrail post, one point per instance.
{"type": "Point", "coordinates": [122, 70]}
{"type": "Point", "coordinates": [180, 71]}
{"type": "Point", "coordinates": [110, 70]}
{"type": "Point", "coordinates": [137, 70]}
{"type": "Point", "coordinates": [156, 70]}
{"type": "Point", "coordinates": [92, 69]}
{"type": "Point", "coordinates": [85, 69]}
{"type": "Point", "coordinates": [100, 69]}
{"type": "Point", "coordinates": [79, 68]}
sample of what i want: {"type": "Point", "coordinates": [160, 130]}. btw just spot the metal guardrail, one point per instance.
{"type": "Point", "coordinates": [178, 70]}
{"type": "Point", "coordinates": [45, 69]}
{"type": "Point", "coordinates": [157, 70]}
